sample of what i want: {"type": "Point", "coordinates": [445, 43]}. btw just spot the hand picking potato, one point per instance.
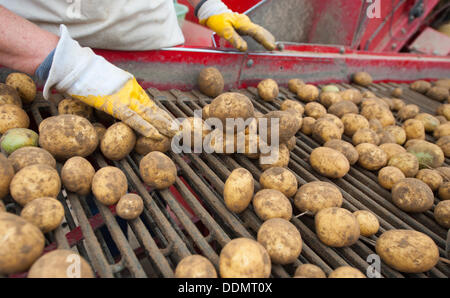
{"type": "Point", "coordinates": [130, 206]}
{"type": "Point", "coordinates": [244, 258]}
{"type": "Point", "coordinates": [109, 184]}
{"type": "Point", "coordinates": [420, 86]}
{"type": "Point", "coordinates": [444, 191]}
{"type": "Point", "coordinates": [346, 272]}
{"type": "Point", "coordinates": [280, 179]}
{"type": "Point", "coordinates": [371, 157]}
{"type": "Point", "coordinates": [324, 130]}
{"type": "Point", "coordinates": [444, 144]}
{"type": "Point", "coordinates": [429, 121]}
{"type": "Point", "coordinates": [294, 84]}
{"type": "Point", "coordinates": [408, 112]}
{"type": "Point", "coordinates": [271, 203]}
{"type": "Point", "coordinates": [406, 162]}
{"type": "Point", "coordinates": [158, 170]}
{"type": "Point", "coordinates": [9, 95]}
{"type": "Point", "coordinates": [231, 105]}
{"type": "Point", "coordinates": [23, 84]}
{"type": "Point", "coordinates": [57, 263]}
{"type": "Point", "coordinates": [343, 107]}
{"type": "Point", "coordinates": [45, 213]}
{"type": "Point", "coordinates": [12, 116]}
{"type": "Point", "coordinates": [272, 159]}
{"type": "Point", "coordinates": [77, 174]}
{"type": "Point", "coordinates": [412, 195]}
{"type": "Point", "coordinates": [352, 122]}
{"type": "Point", "coordinates": [442, 214]}
{"type": "Point", "coordinates": [210, 81]}
{"type": "Point", "coordinates": [22, 243]}
{"type": "Point", "coordinates": [6, 175]}
{"type": "Point", "coordinates": [432, 178]}
{"type": "Point", "coordinates": [281, 239]}
{"type": "Point", "coordinates": [389, 176]}
{"type": "Point", "coordinates": [329, 162]}
{"type": "Point", "coordinates": [414, 129]}
{"type": "Point", "coordinates": [368, 222]}
{"type": "Point", "coordinates": [308, 125]}
{"type": "Point", "coordinates": [442, 130]}
{"type": "Point", "coordinates": [27, 156]}
{"type": "Point", "coordinates": [352, 95]}
{"type": "Point", "coordinates": [391, 149]}
{"type": "Point", "coordinates": [146, 145]}
{"type": "Point", "coordinates": [118, 141]}
{"type": "Point", "coordinates": [195, 266]}
{"type": "Point", "coordinates": [315, 110]}
{"type": "Point", "coordinates": [327, 99]}
{"type": "Point", "coordinates": [336, 227]}
{"type": "Point", "coordinates": [345, 148]}
{"type": "Point", "coordinates": [365, 135]}
{"type": "Point", "coordinates": [268, 90]}
{"type": "Point", "coordinates": [398, 133]}
{"type": "Point", "coordinates": [407, 251]}
{"type": "Point", "coordinates": [362, 78]}
{"type": "Point", "coordinates": [309, 271]}
{"type": "Point", "coordinates": [397, 104]}
{"type": "Point", "coordinates": [438, 93]}
{"type": "Point", "coordinates": [308, 92]}
{"type": "Point", "coordinates": [75, 107]}
{"type": "Point", "coordinates": [317, 195]}
{"type": "Point", "coordinates": [238, 190]}
{"type": "Point", "coordinates": [428, 154]}
{"type": "Point", "coordinates": [292, 104]}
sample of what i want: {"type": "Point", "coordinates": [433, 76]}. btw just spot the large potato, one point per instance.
{"type": "Point", "coordinates": [362, 78]}
{"type": "Point", "coordinates": [75, 107]}
{"type": "Point", "coordinates": [271, 203]}
{"type": "Point", "coordinates": [307, 92]}
{"type": "Point", "coordinates": [195, 266]}
{"type": "Point", "coordinates": [146, 145]}
{"type": "Point", "coordinates": [365, 135]}
{"type": "Point", "coordinates": [412, 195]}
{"type": "Point", "coordinates": [45, 213]}
{"type": "Point", "coordinates": [405, 162]}
{"type": "Point", "coordinates": [407, 251]}
{"type": "Point", "coordinates": [325, 130]}
{"type": "Point", "coordinates": [109, 184]}
{"type": "Point", "coordinates": [118, 141]}
{"type": "Point", "coordinates": [280, 179]}
{"type": "Point", "coordinates": [309, 271]}
{"type": "Point", "coordinates": [28, 156]}
{"type": "Point", "coordinates": [9, 95]}
{"type": "Point", "coordinates": [329, 162]}
{"type": "Point", "coordinates": [22, 243]}
{"type": "Point", "coordinates": [77, 174]}
{"type": "Point", "coordinates": [389, 176]}
{"type": "Point", "coordinates": [294, 84]}
{"type": "Point", "coordinates": [281, 239]}
{"type": "Point", "coordinates": [368, 222]}
{"type": "Point", "coordinates": [130, 206]}
{"type": "Point", "coordinates": [346, 272]}
{"type": "Point", "coordinates": [24, 85]}
{"type": "Point", "coordinates": [231, 105]}
{"type": "Point", "coordinates": [420, 86]}
{"type": "Point", "coordinates": [58, 263]}
{"type": "Point", "coordinates": [428, 154]}
{"type": "Point", "coordinates": [65, 136]}
{"type": "Point", "coordinates": [238, 190]}
{"type": "Point", "coordinates": [442, 214]}
{"type": "Point", "coordinates": [315, 110]}
{"type": "Point", "coordinates": [429, 121]}
{"type": "Point", "coordinates": [352, 122]}
{"type": "Point", "coordinates": [345, 148]}
{"type": "Point", "coordinates": [352, 95]}
{"type": "Point", "coordinates": [35, 181]}
{"type": "Point", "coordinates": [432, 178]}
{"type": "Point", "coordinates": [12, 116]}
{"type": "Point", "coordinates": [6, 175]}
{"type": "Point", "coordinates": [210, 81]}
{"type": "Point", "coordinates": [317, 195]}
{"type": "Point", "coordinates": [336, 227]}
{"type": "Point", "coordinates": [274, 158]}
{"type": "Point", "coordinates": [391, 149]}
{"type": "Point", "coordinates": [343, 107]}
{"type": "Point", "coordinates": [244, 258]}
{"type": "Point", "coordinates": [268, 89]}
{"type": "Point", "coordinates": [371, 157]}
{"type": "Point", "coordinates": [158, 170]}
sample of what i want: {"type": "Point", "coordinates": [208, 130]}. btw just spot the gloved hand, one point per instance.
{"type": "Point", "coordinates": [88, 77]}
{"type": "Point", "coordinates": [229, 25]}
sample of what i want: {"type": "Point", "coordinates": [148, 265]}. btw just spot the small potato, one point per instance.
{"type": "Point", "coordinates": [362, 78]}
{"type": "Point", "coordinates": [308, 125]}
{"type": "Point", "coordinates": [346, 272]}
{"type": "Point", "coordinates": [77, 174]}
{"type": "Point", "coordinates": [365, 135]}
{"type": "Point", "coordinates": [336, 227]}
{"type": "Point", "coordinates": [391, 149]}
{"type": "Point", "coordinates": [238, 190]}
{"type": "Point", "coordinates": [130, 206]}
{"type": "Point", "coordinates": [24, 85]}
{"type": "Point", "coordinates": [438, 93]}
{"type": "Point", "coordinates": [315, 110]}
{"type": "Point", "coordinates": [408, 112]}
{"type": "Point", "coordinates": [353, 122]}
{"type": "Point", "coordinates": [444, 110]}
{"type": "Point", "coordinates": [343, 107]}
{"type": "Point", "coordinates": [430, 177]}
{"type": "Point", "coordinates": [268, 90]}
{"type": "Point", "coordinates": [109, 184]}
{"type": "Point", "coordinates": [397, 104]}
{"type": "Point", "coordinates": [375, 125]}
{"type": "Point", "coordinates": [325, 130]}
{"type": "Point", "coordinates": [9, 95]}
{"type": "Point", "coordinates": [352, 95]}
{"type": "Point", "coordinates": [380, 112]}
{"type": "Point", "coordinates": [397, 92]}
{"type": "Point", "coordinates": [389, 176]}
{"type": "Point", "coordinates": [442, 130]}
{"type": "Point", "coordinates": [405, 162]}
{"type": "Point", "coordinates": [158, 170]}
{"type": "Point", "coordinates": [414, 129]}
{"type": "Point", "coordinates": [368, 222]}
{"type": "Point", "coordinates": [281, 239]}
{"type": "Point", "coordinates": [444, 144]}
{"type": "Point", "coordinates": [231, 105]}
{"type": "Point", "coordinates": [11, 116]}
{"type": "Point", "coordinates": [294, 84]}
{"type": "Point", "coordinates": [146, 145]}
{"type": "Point", "coordinates": [271, 203]}
{"type": "Point", "coordinates": [276, 158]}
{"type": "Point", "coordinates": [412, 195]}
{"type": "Point", "coordinates": [327, 99]}
{"type": "Point", "coordinates": [75, 107]}
{"type": "Point", "coordinates": [345, 148]}
{"type": "Point", "coordinates": [35, 181]}
{"type": "Point", "coordinates": [371, 157]}
{"type": "Point", "coordinates": [444, 191]}
{"type": "Point", "coordinates": [398, 133]}
{"type": "Point", "coordinates": [280, 179]}
{"type": "Point", "coordinates": [428, 154]}
{"type": "Point", "coordinates": [309, 271]}
{"type": "Point", "coordinates": [429, 121]}
{"type": "Point", "coordinates": [407, 251]}
{"type": "Point", "coordinates": [210, 81]}
{"type": "Point", "coordinates": [27, 156]}
{"type": "Point", "coordinates": [45, 213]}
{"type": "Point", "coordinates": [317, 195]}
{"type": "Point", "coordinates": [420, 86]}
{"type": "Point", "coordinates": [292, 104]}
{"type": "Point", "coordinates": [308, 92]}
{"type": "Point", "coordinates": [329, 162]}
{"type": "Point", "coordinates": [6, 175]}
{"type": "Point", "coordinates": [195, 266]}
{"type": "Point", "coordinates": [58, 263]}
{"type": "Point", "coordinates": [442, 214]}
{"type": "Point", "coordinates": [244, 258]}
{"type": "Point", "coordinates": [118, 141]}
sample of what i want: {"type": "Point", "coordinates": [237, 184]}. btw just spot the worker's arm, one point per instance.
{"type": "Point", "coordinates": [230, 25]}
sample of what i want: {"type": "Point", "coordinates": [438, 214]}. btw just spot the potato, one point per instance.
{"type": "Point", "coordinates": [308, 125]}
{"type": "Point", "coordinates": [445, 83]}
{"type": "Point", "coordinates": [397, 92]}
{"type": "Point", "coordinates": [407, 251]}
{"type": "Point", "coordinates": [428, 154]}
{"type": "Point", "coordinates": [420, 86]}
{"type": "Point", "coordinates": [397, 104]}
{"type": "Point", "coordinates": [11, 116]}
{"type": "Point", "coordinates": [329, 162]}
{"type": "Point", "coordinates": [65, 136]}
{"type": "Point", "coordinates": [371, 157]}
{"type": "Point", "coordinates": [100, 130]}
{"type": "Point", "coordinates": [405, 162]}
{"type": "Point", "coordinates": [365, 135]}
{"type": "Point", "coordinates": [391, 149]}
{"type": "Point", "coordinates": [28, 156]}
{"type": "Point", "coordinates": [368, 94]}
{"type": "Point", "coordinates": [16, 138]}
{"type": "Point", "coordinates": [268, 90]}
{"type": "Point", "coordinates": [118, 141]}
{"type": "Point", "coordinates": [432, 178]}
{"type": "Point", "coordinates": [210, 81]}
{"type": "Point", "coordinates": [352, 95]}
{"type": "Point", "coordinates": [368, 222]}
{"type": "Point", "coordinates": [335, 120]}
{"type": "Point", "coordinates": [158, 170]}
{"type": "Point", "coordinates": [292, 104]}
{"type": "Point", "coordinates": [58, 263]}
{"type": "Point", "coordinates": [343, 107]}
{"type": "Point", "coordinates": [45, 213]}
{"type": "Point", "coordinates": [324, 130]}
{"type": "Point", "coordinates": [442, 214]}
{"type": "Point", "coordinates": [438, 93]}
{"type": "Point", "coordinates": [130, 206]}
{"type": "Point", "coordinates": [346, 272]}
{"type": "Point", "coordinates": [380, 112]}
{"type": "Point", "coordinates": [398, 133]}
{"type": "Point", "coordinates": [408, 112]}
{"type": "Point", "coordinates": [280, 179]}
{"type": "Point", "coordinates": [22, 243]}
{"type": "Point", "coordinates": [274, 159]}
{"type": "Point", "coordinates": [6, 175]}
{"type": "Point", "coordinates": [271, 203]}
{"type": "Point", "coordinates": [146, 145]}
{"type": "Point", "coordinates": [231, 105]}
{"type": "Point", "coordinates": [307, 92]}
{"type": "Point", "coordinates": [444, 144]}
{"type": "Point", "coordinates": [35, 181]}
{"type": "Point", "coordinates": [411, 142]}
{"type": "Point", "coordinates": [389, 176]}
{"type": "Point", "coordinates": [9, 95]}
{"type": "Point", "coordinates": [375, 125]}
{"type": "Point", "coordinates": [238, 190]}
{"type": "Point", "coordinates": [386, 138]}
{"type": "Point", "coordinates": [444, 191]}
{"type": "Point", "coordinates": [75, 107]}
{"type": "Point", "coordinates": [195, 266]}
{"type": "Point", "coordinates": [317, 195]}
{"type": "Point", "coordinates": [244, 258]}
{"type": "Point", "coordinates": [429, 121]}
{"type": "Point", "coordinates": [412, 195]}
{"type": "Point", "coordinates": [281, 239]}
{"type": "Point", "coordinates": [345, 148]}
{"type": "Point", "coordinates": [444, 110]}
{"type": "Point", "coordinates": [352, 122]}
{"type": "Point", "coordinates": [327, 99]}
{"type": "Point", "coordinates": [330, 88]}
{"type": "Point", "coordinates": [336, 227]}
{"type": "Point", "coordinates": [315, 110]}
{"type": "Point", "coordinates": [77, 174]}
{"type": "Point", "coordinates": [442, 130]}
{"type": "Point", "coordinates": [362, 78]}
{"type": "Point", "coordinates": [375, 101]}
{"type": "Point", "coordinates": [414, 129]}
{"type": "Point", "coordinates": [291, 143]}
{"type": "Point", "coordinates": [441, 119]}
{"type": "Point", "coordinates": [287, 125]}
{"type": "Point", "coordinates": [294, 84]}
{"type": "Point", "coordinates": [109, 184]}
{"type": "Point", "coordinates": [23, 84]}
{"type": "Point", "coordinates": [309, 271]}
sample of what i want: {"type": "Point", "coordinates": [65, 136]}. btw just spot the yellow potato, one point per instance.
{"type": "Point", "coordinates": [345, 148]}
{"type": "Point", "coordinates": [146, 145]}
{"type": "Point", "coordinates": [398, 133]}
{"type": "Point", "coordinates": [405, 162]}
{"type": "Point", "coordinates": [309, 271]}
{"type": "Point", "coordinates": [375, 125]}
{"type": "Point", "coordinates": [238, 190]}
{"type": "Point", "coordinates": [109, 184]}
{"type": "Point", "coordinates": [412, 195]}
{"type": "Point", "coordinates": [346, 272]}
{"type": "Point", "coordinates": [195, 266]}
{"type": "Point", "coordinates": [23, 84]}
{"type": "Point", "coordinates": [368, 94]}
{"type": "Point", "coordinates": [6, 175]}
{"type": "Point", "coordinates": [408, 112]}
{"type": "Point", "coordinates": [365, 135]}
{"type": "Point", "coordinates": [77, 174]}
{"type": "Point", "coordinates": [45, 213]}
{"type": "Point", "coordinates": [336, 120]}
{"type": "Point", "coordinates": [27, 156]}
{"type": "Point", "coordinates": [329, 162]}
{"type": "Point", "coordinates": [317, 195]}
{"type": "Point", "coordinates": [442, 130]}
{"type": "Point", "coordinates": [352, 122]}
{"type": "Point", "coordinates": [280, 179]}
{"type": "Point", "coordinates": [12, 116]}
{"type": "Point", "coordinates": [389, 176]}
{"type": "Point", "coordinates": [391, 149]}
{"type": "Point", "coordinates": [368, 222]}
{"type": "Point", "coordinates": [397, 104]}
{"type": "Point", "coordinates": [327, 99]}
{"type": "Point", "coordinates": [341, 108]}
{"type": "Point", "coordinates": [352, 95]}
{"type": "Point", "coordinates": [9, 95]}
{"type": "Point", "coordinates": [444, 110]}
{"type": "Point", "coordinates": [362, 78]}
{"type": "Point", "coordinates": [268, 90]}
{"type": "Point", "coordinates": [271, 203]}
{"type": "Point", "coordinates": [266, 160]}
{"type": "Point", "coordinates": [210, 81]}
{"type": "Point", "coordinates": [118, 141]}
{"type": "Point", "coordinates": [307, 92]}
{"type": "Point", "coordinates": [444, 191]}
{"type": "Point", "coordinates": [75, 107]}
{"type": "Point", "coordinates": [428, 154]}
{"type": "Point", "coordinates": [324, 130]}
{"type": "Point", "coordinates": [371, 157]}
{"type": "Point", "coordinates": [432, 178]}
{"type": "Point", "coordinates": [308, 125]}
{"type": "Point", "coordinates": [414, 129]}
{"type": "Point", "coordinates": [287, 126]}
{"type": "Point", "coordinates": [231, 105]}
{"type": "Point", "coordinates": [158, 170]}
{"type": "Point", "coordinates": [336, 227]}
{"type": "Point", "coordinates": [438, 93]}
{"type": "Point", "coordinates": [292, 104]}
{"type": "Point", "coordinates": [442, 214]}
{"type": "Point", "coordinates": [315, 110]}
{"type": "Point", "coordinates": [380, 112]}
{"type": "Point", "coordinates": [429, 121]}
{"type": "Point", "coordinates": [294, 84]}
{"type": "Point", "coordinates": [130, 206]}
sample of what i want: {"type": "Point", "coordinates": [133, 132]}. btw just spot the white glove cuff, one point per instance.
{"type": "Point", "coordinates": [211, 8]}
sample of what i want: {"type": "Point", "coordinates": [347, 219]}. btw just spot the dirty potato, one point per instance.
{"type": "Point", "coordinates": [315, 110]}
{"type": "Point", "coordinates": [412, 195]}
{"type": "Point", "coordinates": [324, 130]}
{"type": "Point", "coordinates": [9, 95]}
{"type": "Point", "coordinates": [317, 195]}
{"type": "Point", "coordinates": [405, 162]}
{"type": "Point", "coordinates": [345, 148]}
{"type": "Point", "coordinates": [432, 178]}
{"type": "Point", "coordinates": [444, 191]}
{"type": "Point", "coordinates": [414, 129]}
{"type": "Point", "coordinates": [352, 95]}
{"type": "Point", "coordinates": [420, 86]}
{"type": "Point", "coordinates": [343, 107]}
{"type": "Point", "coordinates": [238, 190]}
{"type": "Point", "coordinates": [146, 145]}
{"type": "Point", "coordinates": [386, 138]}
{"type": "Point", "coordinates": [12, 116]}
{"type": "Point", "coordinates": [109, 184]}
{"type": "Point", "coordinates": [130, 206]}
{"type": "Point", "coordinates": [77, 174]}
{"type": "Point", "coordinates": [308, 125]}
{"type": "Point", "coordinates": [158, 170]}
{"type": "Point", "coordinates": [280, 179]}
{"type": "Point", "coordinates": [327, 99]}
{"type": "Point", "coordinates": [428, 154]}
{"type": "Point", "coordinates": [444, 110]}
{"type": "Point", "coordinates": [429, 121]}
{"type": "Point", "coordinates": [309, 271]}
{"type": "Point", "coordinates": [195, 266]}
{"type": "Point", "coordinates": [442, 214]}
{"type": "Point", "coordinates": [368, 222]}
{"type": "Point", "coordinates": [287, 125]}
{"type": "Point", "coordinates": [362, 78]}
{"type": "Point", "coordinates": [444, 144]}
{"type": "Point", "coordinates": [380, 112]}
{"type": "Point", "coordinates": [275, 158]}
{"type": "Point", "coordinates": [397, 104]}
{"type": "Point", "coordinates": [308, 92]}
{"type": "Point", "coordinates": [45, 213]}
{"type": "Point", "coordinates": [24, 85]}
{"type": "Point", "coordinates": [442, 130]}
{"type": "Point", "coordinates": [371, 157]}
{"type": "Point", "coordinates": [329, 162]}
{"type": "Point", "coordinates": [352, 122]}
{"type": "Point", "coordinates": [271, 203]}
{"type": "Point", "coordinates": [346, 272]}
{"type": "Point", "coordinates": [398, 133]}
{"type": "Point", "coordinates": [210, 81]}
{"type": "Point", "coordinates": [365, 135]}
{"type": "Point", "coordinates": [57, 264]}
{"type": "Point", "coordinates": [27, 156]}
{"type": "Point", "coordinates": [75, 107]}
{"type": "Point", "coordinates": [231, 105]}
{"type": "Point", "coordinates": [375, 125]}
{"type": "Point", "coordinates": [389, 176]}
{"type": "Point", "coordinates": [294, 84]}
{"type": "Point", "coordinates": [118, 141]}
{"type": "Point", "coordinates": [268, 90]}
{"type": "Point", "coordinates": [408, 112]}
{"type": "Point", "coordinates": [292, 104]}
{"type": "Point", "coordinates": [336, 227]}
{"type": "Point", "coordinates": [438, 93]}
{"type": "Point", "coordinates": [391, 149]}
